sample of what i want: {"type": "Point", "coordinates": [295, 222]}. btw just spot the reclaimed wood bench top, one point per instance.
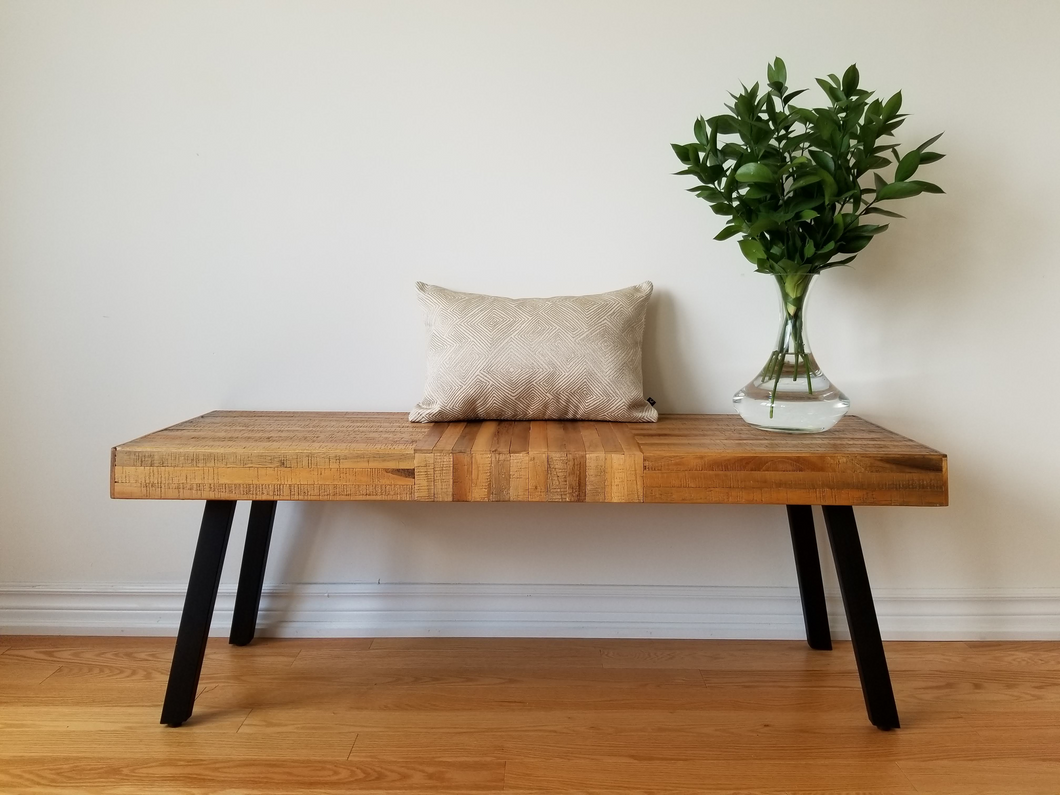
{"type": "Point", "coordinates": [689, 458]}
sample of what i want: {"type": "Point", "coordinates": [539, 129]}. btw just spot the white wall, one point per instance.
{"type": "Point", "coordinates": [225, 205]}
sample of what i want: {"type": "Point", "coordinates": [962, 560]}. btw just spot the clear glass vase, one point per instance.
{"type": "Point", "coordinates": [791, 393]}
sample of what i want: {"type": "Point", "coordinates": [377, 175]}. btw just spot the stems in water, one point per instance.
{"type": "Point", "coordinates": [790, 342]}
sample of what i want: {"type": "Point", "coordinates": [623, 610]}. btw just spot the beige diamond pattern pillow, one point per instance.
{"type": "Point", "coordinates": [564, 358]}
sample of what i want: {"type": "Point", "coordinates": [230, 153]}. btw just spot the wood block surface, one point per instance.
{"type": "Point", "coordinates": [267, 455]}
{"type": "Point", "coordinates": [234, 455]}
{"type": "Point", "coordinates": [720, 459]}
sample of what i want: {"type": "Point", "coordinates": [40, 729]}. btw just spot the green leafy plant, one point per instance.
{"type": "Point", "coordinates": [797, 183]}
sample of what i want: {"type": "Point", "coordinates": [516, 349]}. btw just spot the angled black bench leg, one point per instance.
{"type": "Point", "coordinates": [252, 572]}
{"type": "Point", "coordinates": [861, 616]}
{"type": "Point", "coordinates": [808, 568]}
{"type": "Point", "coordinates": [198, 610]}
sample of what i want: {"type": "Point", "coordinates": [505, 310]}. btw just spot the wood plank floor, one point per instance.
{"type": "Point", "coordinates": [80, 715]}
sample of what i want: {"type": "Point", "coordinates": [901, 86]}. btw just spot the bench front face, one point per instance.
{"type": "Point", "coordinates": [700, 458]}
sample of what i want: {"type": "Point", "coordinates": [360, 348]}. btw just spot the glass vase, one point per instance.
{"type": "Point", "coordinates": [791, 393]}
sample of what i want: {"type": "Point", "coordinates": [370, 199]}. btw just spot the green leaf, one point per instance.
{"type": "Point", "coordinates": [807, 215]}
{"type": "Point", "coordinates": [850, 79]}
{"type": "Point", "coordinates": [872, 229]}
{"type": "Point", "coordinates": [780, 71]}
{"type": "Point", "coordinates": [733, 151]}
{"type": "Point", "coordinates": [930, 157]}
{"type": "Point", "coordinates": [802, 182]}
{"type": "Point", "coordinates": [754, 172]}
{"type": "Point", "coordinates": [727, 232]}
{"type": "Point", "coordinates": [722, 209]}
{"type": "Point", "coordinates": [806, 203]}
{"type": "Point", "coordinates": [853, 245]}
{"type": "Point", "coordinates": [682, 153]}
{"type": "Point", "coordinates": [789, 97]}
{"type": "Point", "coordinates": [824, 160]}
{"type": "Point", "coordinates": [700, 130]}
{"type": "Point", "coordinates": [808, 250]}
{"type": "Point", "coordinates": [881, 211]}
{"type": "Point", "coordinates": [830, 187]}
{"type": "Point", "coordinates": [838, 226]}
{"type": "Point", "coordinates": [839, 263]}
{"type": "Point", "coordinates": [879, 180]}
{"type": "Point", "coordinates": [761, 225]}
{"type": "Point", "coordinates": [725, 125]}
{"type": "Point", "coordinates": [752, 249]}
{"type": "Point", "coordinates": [927, 187]}
{"type": "Point", "coordinates": [892, 106]}
{"type": "Point", "coordinates": [908, 166]}
{"type": "Point", "coordinates": [707, 192]}
{"type": "Point", "coordinates": [711, 174]}
{"type": "Point", "coordinates": [899, 190]}
{"type": "Point", "coordinates": [833, 93]}
{"type": "Point", "coordinates": [891, 126]}
{"type": "Point", "coordinates": [928, 142]}
{"type": "Point", "coordinates": [744, 107]}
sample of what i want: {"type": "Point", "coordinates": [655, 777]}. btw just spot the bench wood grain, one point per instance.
{"type": "Point", "coordinates": [257, 455]}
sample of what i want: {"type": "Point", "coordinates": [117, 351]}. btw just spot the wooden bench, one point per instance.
{"type": "Point", "coordinates": [264, 457]}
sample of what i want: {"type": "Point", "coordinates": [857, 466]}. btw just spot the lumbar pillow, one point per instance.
{"type": "Point", "coordinates": [564, 358]}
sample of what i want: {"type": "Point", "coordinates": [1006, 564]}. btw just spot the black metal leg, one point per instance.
{"type": "Point", "coordinates": [861, 616]}
{"type": "Point", "coordinates": [198, 610]}
{"type": "Point", "coordinates": [252, 572]}
{"type": "Point", "coordinates": [808, 568]}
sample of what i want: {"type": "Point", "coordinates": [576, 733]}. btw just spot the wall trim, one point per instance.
{"type": "Point", "coordinates": [620, 611]}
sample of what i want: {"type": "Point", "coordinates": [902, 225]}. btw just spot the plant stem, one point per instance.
{"type": "Point", "coordinates": [791, 342]}
{"type": "Point", "coordinates": [776, 383]}
{"type": "Point", "coordinates": [768, 372]}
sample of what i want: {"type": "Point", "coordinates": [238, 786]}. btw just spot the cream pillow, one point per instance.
{"type": "Point", "coordinates": [565, 358]}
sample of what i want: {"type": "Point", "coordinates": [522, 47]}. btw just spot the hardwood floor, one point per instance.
{"type": "Point", "coordinates": [80, 715]}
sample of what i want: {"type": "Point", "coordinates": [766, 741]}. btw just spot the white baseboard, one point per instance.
{"type": "Point", "coordinates": [598, 611]}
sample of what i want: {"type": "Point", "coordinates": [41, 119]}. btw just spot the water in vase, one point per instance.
{"type": "Point", "coordinates": [791, 393]}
